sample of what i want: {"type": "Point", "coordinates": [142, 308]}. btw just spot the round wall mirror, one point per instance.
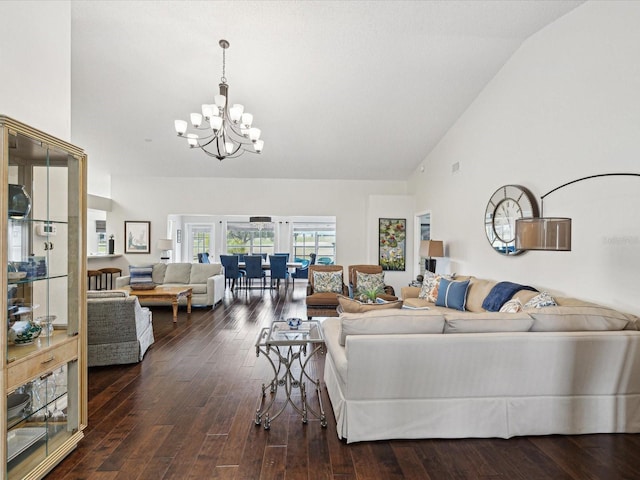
{"type": "Point", "coordinates": [506, 205]}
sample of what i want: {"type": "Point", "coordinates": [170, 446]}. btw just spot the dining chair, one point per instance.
{"type": "Point", "coordinates": [253, 267]}
{"type": "Point", "coordinates": [232, 271]}
{"type": "Point", "coordinates": [284, 255]}
{"type": "Point", "coordinates": [300, 272]}
{"type": "Point", "coordinates": [279, 269]}
{"type": "Point", "coordinates": [203, 258]}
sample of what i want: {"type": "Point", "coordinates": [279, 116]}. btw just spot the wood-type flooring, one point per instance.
{"type": "Point", "coordinates": [187, 412]}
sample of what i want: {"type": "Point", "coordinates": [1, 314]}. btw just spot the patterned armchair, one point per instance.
{"type": "Point", "coordinates": [325, 283]}
{"type": "Point", "coordinates": [389, 293]}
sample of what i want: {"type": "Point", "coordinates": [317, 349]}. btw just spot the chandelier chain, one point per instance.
{"type": "Point", "coordinates": [223, 79]}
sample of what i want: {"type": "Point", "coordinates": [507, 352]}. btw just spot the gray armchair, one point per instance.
{"type": "Point", "coordinates": [119, 330]}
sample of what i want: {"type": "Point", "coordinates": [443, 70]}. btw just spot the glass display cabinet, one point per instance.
{"type": "Point", "coordinates": [44, 375]}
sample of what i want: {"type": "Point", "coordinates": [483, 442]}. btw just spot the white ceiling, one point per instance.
{"type": "Point", "coordinates": [340, 89]}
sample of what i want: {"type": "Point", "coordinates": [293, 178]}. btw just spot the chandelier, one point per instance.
{"type": "Point", "coordinates": [227, 132]}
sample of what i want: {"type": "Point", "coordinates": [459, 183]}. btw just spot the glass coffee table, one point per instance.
{"type": "Point", "coordinates": [286, 349]}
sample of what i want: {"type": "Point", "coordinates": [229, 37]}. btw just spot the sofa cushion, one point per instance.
{"type": "Point", "coordinates": [578, 318]}
{"type": "Point", "coordinates": [478, 290]}
{"type": "Point", "coordinates": [200, 272]}
{"type": "Point", "coordinates": [386, 322]}
{"type": "Point", "coordinates": [140, 274]}
{"type": "Point", "coordinates": [324, 298]}
{"type": "Point", "coordinates": [325, 282]}
{"type": "Point", "coordinates": [541, 300]}
{"type": "Point", "coordinates": [487, 322]}
{"type": "Point", "coordinates": [367, 282]}
{"type": "Point", "coordinates": [452, 294]}
{"type": "Point", "coordinates": [353, 306]}
{"type": "Point", "coordinates": [178, 273]}
{"type": "Point", "coordinates": [159, 270]}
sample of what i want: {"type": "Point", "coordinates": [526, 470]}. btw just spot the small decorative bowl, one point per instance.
{"type": "Point", "coordinates": [16, 403]}
{"type": "Point", "coordinates": [24, 333]}
{"type": "Point", "coordinates": [294, 323]}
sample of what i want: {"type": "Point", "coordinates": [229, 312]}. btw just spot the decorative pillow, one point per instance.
{"type": "Point", "coordinates": [353, 306]}
{"type": "Point", "coordinates": [327, 282]}
{"type": "Point", "coordinates": [427, 284]}
{"type": "Point", "coordinates": [368, 282]}
{"type": "Point", "coordinates": [541, 300]}
{"type": "Point", "coordinates": [512, 306]}
{"type": "Point", "coordinates": [140, 274]}
{"type": "Point", "coordinates": [452, 294]}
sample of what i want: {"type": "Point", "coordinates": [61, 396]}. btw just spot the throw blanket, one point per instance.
{"type": "Point", "coordinates": [501, 293]}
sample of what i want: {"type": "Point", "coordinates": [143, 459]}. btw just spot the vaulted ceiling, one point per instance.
{"type": "Point", "coordinates": [340, 89]}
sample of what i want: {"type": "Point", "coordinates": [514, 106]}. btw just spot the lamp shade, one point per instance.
{"type": "Point", "coordinates": [431, 248]}
{"type": "Point", "coordinates": [542, 233]}
{"type": "Point", "coordinates": [164, 244]}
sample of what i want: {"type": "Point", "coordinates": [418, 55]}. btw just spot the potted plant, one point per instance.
{"type": "Point", "coordinates": [370, 295]}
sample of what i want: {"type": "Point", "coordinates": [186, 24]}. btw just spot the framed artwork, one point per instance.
{"type": "Point", "coordinates": [392, 235]}
{"type": "Point", "coordinates": [137, 235]}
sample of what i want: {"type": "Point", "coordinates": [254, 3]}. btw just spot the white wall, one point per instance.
{"type": "Point", "coordinates": [35, 55]}
{"type": "Point", "coordinates": [154, 198]}
{"type": "Point", "coordinates": [566, 105]}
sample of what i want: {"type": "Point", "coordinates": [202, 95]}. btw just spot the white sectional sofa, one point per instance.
{"type": "Point", "coordinates": [206, 280]}
{"type": "Point", "coordinates": [443, 373]}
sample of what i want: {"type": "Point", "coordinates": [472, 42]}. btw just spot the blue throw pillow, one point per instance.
{"type": "Point", "coordinates": [140, 274]}
{"type": "Point", "coordinates": [452, 294]}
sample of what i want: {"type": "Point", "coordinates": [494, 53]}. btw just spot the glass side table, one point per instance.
{"type": "Point", "coordinates": [285, 347]}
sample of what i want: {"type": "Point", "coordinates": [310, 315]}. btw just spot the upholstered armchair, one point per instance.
{"type": "Point", "coordinates": [326, 282]}
{"type": "Point", "coordinates": [389, 293]}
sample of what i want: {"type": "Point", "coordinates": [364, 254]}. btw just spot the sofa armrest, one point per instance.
{"type": "Point", "coordinates": [410, 292]}
{"type": "Point", "coordinates": [122, 281]}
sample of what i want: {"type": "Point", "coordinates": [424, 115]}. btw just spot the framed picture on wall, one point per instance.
{"type": "Point", "coordinates": [137, 237]}
{"type": "Point", "coordinates": [392, 236]}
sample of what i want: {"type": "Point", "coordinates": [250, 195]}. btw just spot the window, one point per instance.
{"type": "Point", "coordinates": [245, 238]}
{"type": "Point", "coordinates": [200, 241]}
{"type": "Point", "coordinates": [318, 238]}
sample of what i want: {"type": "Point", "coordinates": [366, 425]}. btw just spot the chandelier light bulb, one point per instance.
{"type": "Point", "coordinates": [258, 145]}
{"type": "Point", "coordinates": [207, 110]}
{"type": "Point", "coordinates": [216, 123]}
{"type": "Point", "coordinates": [196, 119]}
{"type": "Point", "coordinates": [181, 127]}
{"type": "Point", "coordinates": [235, 112]}
{"type": "Point", "coordinates": [228, 147]}
{"type": "Point", "coordinates": [247, 120]}
{"type": "Point", "coordinates": [220, 100]}
{"type": "Point", "coordinates": [254, 134]}
{"type": "Point", "coordinates": [192, 139]}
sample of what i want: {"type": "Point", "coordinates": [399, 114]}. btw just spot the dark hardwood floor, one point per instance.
{"type": "Point", "coordinates": [187, 410]}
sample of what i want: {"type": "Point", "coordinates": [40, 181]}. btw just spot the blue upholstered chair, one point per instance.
{"type": "Point", "coordinates": [203, 258]}
{"type": "Point", "coordinates": [324, 261]}
{"type": "Point", "coordinates": [284, 255]}
{"type": "Point", "coordinates": [253, 267]}
{"type": "Point", "coordinates": [279, 269]}
{"type": "Point", "coordinates": [232, 271]}
{"type": "Point", "coordinates": [301, 272]}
